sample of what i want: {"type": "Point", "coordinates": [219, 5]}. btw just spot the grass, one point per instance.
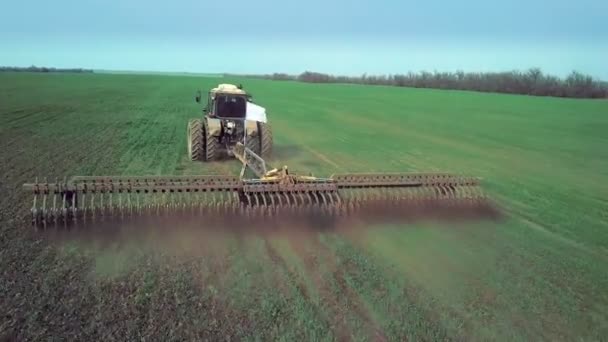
{"type": "Point", "coordinates": [537, 275]}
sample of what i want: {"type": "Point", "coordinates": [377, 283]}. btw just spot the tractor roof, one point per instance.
{"type": "Point", "coordinates": [228, 89]}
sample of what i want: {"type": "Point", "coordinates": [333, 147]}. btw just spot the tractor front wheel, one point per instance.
{"type": "Point", "coordinates": [196, 142]}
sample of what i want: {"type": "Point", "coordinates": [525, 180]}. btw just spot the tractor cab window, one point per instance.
{"type": "Point", "coordinates": [230, 106]}
{"type": "Point", "coordinates": [210, 106]}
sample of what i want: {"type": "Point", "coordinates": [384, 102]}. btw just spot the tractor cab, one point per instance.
{"type": "Point", "coordinates": [226, 101]}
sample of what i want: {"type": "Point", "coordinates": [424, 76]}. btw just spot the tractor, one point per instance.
{"type": "Point", "coordinates": [229, 117]}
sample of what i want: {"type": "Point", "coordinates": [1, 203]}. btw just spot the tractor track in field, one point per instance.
{"type": "Point", "coordinates": [48, 113]}
{"type": "Point", "coordinates": [312, 266]}
{"type": "Point", "coordinates": [357, 305]}
{"type": "Point", "coordinates": [321, 156]}
{"type": "Point", "coordinates": [278, 260]}
{"type": "Point", "coordinates": [415, 294]}
{"type": "Point", "coordinates": [352, 299]}
{"type": "Point", "coordinates": [293, 278]}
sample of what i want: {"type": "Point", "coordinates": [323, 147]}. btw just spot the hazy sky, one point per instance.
{"type": "Point", "coordinates": [341, 37]}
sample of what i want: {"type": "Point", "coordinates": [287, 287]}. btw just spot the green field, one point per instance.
{"type": "Point", "coordinates": [538, 274]}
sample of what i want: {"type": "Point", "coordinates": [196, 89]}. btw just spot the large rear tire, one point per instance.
{"type": "Point", "coordinates": [211, 144]}
{"type": "Point", "coordinates": [253, 143]}
{"type": "Point", "coordinates": [265, 136]}
{"type": "Point", "coordinates": [196, 141]}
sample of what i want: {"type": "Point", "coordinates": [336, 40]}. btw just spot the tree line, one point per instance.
{"type": "Point", "coordinates": [34, 68]}
{"type": "Point", "coordinates": [530, 82]}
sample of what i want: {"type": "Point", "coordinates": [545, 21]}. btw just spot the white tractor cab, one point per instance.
{"type": "Point", "coordinates": [229, 116]}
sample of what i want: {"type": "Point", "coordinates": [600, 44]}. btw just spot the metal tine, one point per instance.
{"type": "Point", "coordinates": [283, 202]}
{"type": "Point", "coordinates": [414, 196]}
{"type": "Point", "coordinates": [44, 213]}
{"type": "Point", "coordinates": [159, 202]}
{"type": "Point", "coordinates": [347, 200]}
{"type": "Point", "coordinates": [310, 205]}
{"type": "Point", "coordinates": [242, 208]}
{"type": "Point", "coordinates": [320, 199]}
{"type": "Point", "coordinates": [332, 204]}
{"type": "Point", "coordinates": [293, 198]}
{"type": "Point", "coordinates": [53, 212]}
{"type": "Point", "coordinates": [174, 201]}
{"type": "Point", "coordinates": [220, 202]}
{"type": "Point", "coordinates": [198, 201]}
{"type": "Point", "coordinates": [282, 205]}
{"type": "Point", "coordinates": [272, 206]}
{"type": "Point", "coordinates": [229, 204]}
{"type": "Point", "coordinates": [63, 208]}
{"type": "Point", "coordinates": [288, 209]}
{"type": "Point", "coordinates": [301, 207]}
{"type": "Point", "coordinates": [451, 187]}
{"type": "Point", "coordinates": [451, 200]}
{"type": "Point", "coordinates": [328, 203]}
{"type": "Point", "coordinates": [92, 207]}
{"type": "Point", "coordinates": [120, 208]}
{"type": "Point", "coordinates": [147, 202]}
{"type": "Point", "coordinates": [264, 204]}
{"type": "Point", "coordinates": [445, 194]}
{"type": "Point", "coordinates": [101, 206]}
{"type": "Point", "coordinates": [181, 201]}
{"type": "Point", "coordinates": [337, 207]}
{"type": "Point", "coordinates": [293, 203]}
{"type": "Point", "coordinates": [223, 204]}
{"type": "Point", "coordinates": [165, 202]}
{"type": "Point", "coordinates": [190, 198]}
{"type": "Point", "coordinates": [34, 209]}
{"type": "Point", "coordinates": [293, 209]}
{"type": "Point", "coordinates": [458, 194]}
{"type": "Point", "coordinates": [469, 199]}
{"type": "Point", "coordinates": [111, 205]}
{"type": "Point", "coordinates": [253, 208]}
{"type": "Point", "coordinates": [473, 194]}
{"type": "Point", "coordinates": [205, 203]}
{"type": "Point", "coordinates": [137, 205]}
{"type": "Point", "coordinates": [129, 207]}
{"type": "Point", "coordinates": [452, 192]}
{"type": "Point", "coordinates": [257, 209]}
{"type": "Point", "coordinates": [201, 202]}
{"type": "Point", "coordinates": [212, 204]}
{"type": "Point", "coordinates": [155, 198]}
{"type": "Point", "coordinates": [430, 195]}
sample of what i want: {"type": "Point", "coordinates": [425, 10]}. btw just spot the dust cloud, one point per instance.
{"type": "Point", "coordinates": [189, 233]}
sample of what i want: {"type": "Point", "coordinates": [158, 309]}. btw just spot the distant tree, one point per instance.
{"type": "Point", "coordinates": [531, 82]}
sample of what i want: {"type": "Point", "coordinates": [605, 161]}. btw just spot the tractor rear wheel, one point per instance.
{"type": "Point", "coordinates": [196, 142]}
{"type": "Point", "coordinates": [265, 136]}
{"type": "Point", "coordinates": [211, 144]}
{"type": "Point", "coordinates": [253, 143]}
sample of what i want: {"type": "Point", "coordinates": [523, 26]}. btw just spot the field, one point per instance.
{"type": "Point", "coordinates": [537, 274]}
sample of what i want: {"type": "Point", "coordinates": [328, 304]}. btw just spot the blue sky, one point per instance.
{"type": "Point", "coordinates": [340, 37]}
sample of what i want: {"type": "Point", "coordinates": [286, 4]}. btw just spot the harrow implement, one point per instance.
{"type": "Point", "coordinates": [271, 193]}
